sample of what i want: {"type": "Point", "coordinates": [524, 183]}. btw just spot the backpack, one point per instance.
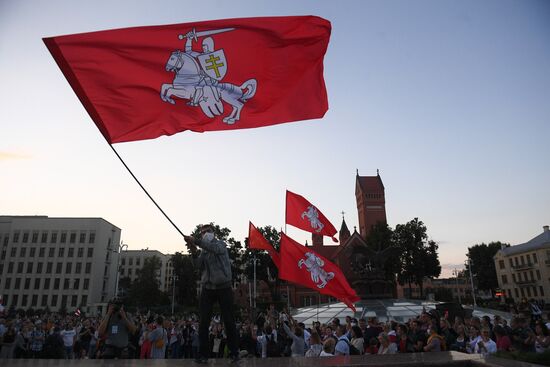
{"type": "Point", "coordinates": [159, 343]}
{"type": "Point", "coordinates": [272, 348]}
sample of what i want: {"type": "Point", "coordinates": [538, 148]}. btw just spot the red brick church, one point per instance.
{"type": "Point", "coordinates": [371, 209]}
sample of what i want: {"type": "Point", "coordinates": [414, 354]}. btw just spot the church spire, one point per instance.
{"type": "Point", "coordinates": [344, 233]}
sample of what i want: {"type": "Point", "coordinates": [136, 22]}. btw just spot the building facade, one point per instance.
{"type": "Point", "coordinates": [57, 263]}
{"type": "Point", "coordinates": [132, 261]}
{"type": "Point", "coordinates": [523, 270]}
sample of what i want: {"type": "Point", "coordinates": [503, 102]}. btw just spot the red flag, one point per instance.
{"type": "Point", "coordinates": [302, 265]}
{"type": "Point", "coordinates": [257, 241]}
{"type": "Point", "coordinates": [144, 82]}
{"type": "Point", "coordinates": [304, 215]}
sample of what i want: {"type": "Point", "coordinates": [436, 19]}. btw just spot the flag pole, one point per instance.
{"type": "Point", "coordinates": [144, 190]}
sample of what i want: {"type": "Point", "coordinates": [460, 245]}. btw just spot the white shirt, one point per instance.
{"type": "Point", "coordinates": [325, 354]}
{"type": "Point", "coordinates": [490, 347]}
{"type": "Point", "coordinates": [342, 346]}
{"type": "Point", "coordinates": [68, 337]}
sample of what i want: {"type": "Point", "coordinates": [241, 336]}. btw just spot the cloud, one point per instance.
{"type": "Point", "coordinates": [4, 156]}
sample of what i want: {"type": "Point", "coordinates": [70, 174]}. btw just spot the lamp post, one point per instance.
{"type": "Point", "coordinates": [472, 282]}
{"type": "Point", "coordinates": [255, 260]}
{"type": "Point", "coordinates": [119, 250]}
{"type": "Point", "coordinates": [455, 272]}
{"type": "Point", "coordinates": [174, 278]}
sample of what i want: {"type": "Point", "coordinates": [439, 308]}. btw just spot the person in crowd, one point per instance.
{"type": "Point", "coordinates": [316, 347]}
{"type": "Point", "coordinates": [115, 329]}
{"type": "Point", "coordinates": [404, 344]}
{"type": "Point", "coordinates": [36, 341]}
{"type": "Point", "coordinates": [328, 348]}
{"type": "Point", "coordinates": [69, 339]}
{"type": "Point", "coordinates": [386, 347]}
{"type": "Point", "coordinates": [474, 337]}
{"type": "Point", "coordinates": [342, 345]}
{"type": "Point", "coordinates": [542, 339]}
{"type": "Point", "coordinates": [485, 345]}
{"type": "Point", "coordinates": [298, 347]}
{"type": "Point", "coordinates": [216, 282]}
{"type": "Point", "coordinates": [461, 340]}
{"type": "Point", "coordinates": [435, 343]}
{"type": "Point", "coordinates": [357, 338]}
{"type": "Point", "coordinates": [502, 340]}
{"type": "Point", "coordinates": [159, 339]}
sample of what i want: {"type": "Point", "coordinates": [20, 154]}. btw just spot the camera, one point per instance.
{"type": "Point", "coordinates": [117, 304]}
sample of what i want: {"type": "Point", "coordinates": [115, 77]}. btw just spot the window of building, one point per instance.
{"type": "Point", "coordinates": [44, 238]}
{"type": "Point", "coordinates": [63, 238]}
{"type": "Point", "coordinates": [510, 261]}
{"type": "Point", "coordinates": [90, 251]}
{"type": "Point", "coordinates": [528, 257]}
{"type": "Point", "coordinates": [44, 302]}
{"type": "Point", "coordinates": [10, 267]}
{"type": "Point", "coordinates": [58, 268]}
{"type": "Point", "coordinates": [76, 283]}
{"type": "Point", "coordinates": [22, 252]}
{"type": "Point", "coordinates": [29, 268]}
{"type": "Point", "coordinates": [25, 237]}
{"type": "Point", "coordinates": [516, 261]}
{"type": "Point", "coordinates": [47, 283]}
{"type": "Point", "coordinates": [528, 291]}
{"type": "Point", "coordinates": [522, 260]}
{"type": "Point", "coordinates": [27, 283]}
{"type": "Point", "coordinates": [535, 260]}
{"type": "Point", "coordinates": [514, 277]}
{"type": "Point", "coordinates": [91, 239]}
{"type": "Point", "coordinates": [53, 238]}
{"type": "Point", "coordinates": [34, 300]}
{"type": "Point", "coordinates": [66, 283]}
{"type": "Point", "coordinates": [84, 300]}
{"type": "Point", "coordinates": [541, 291]}
{"type": "Point", "coordinates": [56, 283]}
{"type": "Point", "coordinates": [532, 276]}
{"type": "Point", "coordinates": [501, 264]}
{"type": "Point", "coordinates": [535, 293]}
{"type": "Point", "coordinates": [49, 267]}
{"type": "Point", "coordinates": [88, 268]}
{"type": "Point", "coordinates": [13, 252]}
{"type": "Point", "coordinates": [34, 237]}
{"type": "Point", "coordinates": [517, 292]}
{"type": "Point", "coordinates": [61, 252]}
{"type": "Point", "coordinates": [64, 301]}
{"type": "Point", "coordinates": [39, 268]}
{"type": "Point", "coordinates": [17, 283]}
{"type": "Point", "coordinates": [123, 262]}
{"type": "Point", "coordinates": [129, 272]}
{"type": "Point", "coordinates": [32, 252]}
{"type": "Point", "coordinates": [504, 279]}
{"type": "Point", "coordinates": [37, 283]}
{"type": "Point", "coordinates": [538, 274]}
{"type": "Point", "coordinates": [72, 238]}
{"type": "Point", "coordinates": [51, 252]}
{"type": "Point", "coordinates": [3, 256]}
{"type": "Point", "coordinates": [74, 300]}
{"type": "Point", "coordinates": [54, 300]}
{"type": "Point", "coordinates": [68, 268]}
{"type": "Point", "coordinates": [16, 237]}
{"type": "Point", "coordinates": [41, 252]}
{"type": "Point", "coordinates": [24, 300]}
{"type": "Point", "coordinates": [7, 285]}
{"type": "Point", "coordinates": [78, 268]}
{"type": "Point", "coordinates": [70, 253]}
{"type": "Point", "coordinates": [131, 261]}
{"type": "Point", "coordinates": [6, 239]}
{"type": "Point", "coordinates": [13, 301]}
{"type": "Point", "coordinates": [80, 252]}
{"type": "Point", "coordinates": [86, 284]}
{"type": "Point", "coordinates": [138, 261]}
{"type": "Point", "coordinates": [82, 238]}
{"type": "Point", "coordinates": [20, 267]}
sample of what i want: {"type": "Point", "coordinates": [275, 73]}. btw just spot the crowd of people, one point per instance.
{"type": "Point", "coordinates": [270, 334]}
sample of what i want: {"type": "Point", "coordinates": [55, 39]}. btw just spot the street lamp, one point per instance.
{"type": "Point", "coordinates": [455, 273]}
{"type": "Point", "coordinates": [472, 282]}
{"type": "Point", "coordinates": [119, 250]}
{"type": "Point", "coordinates": [174, 278]}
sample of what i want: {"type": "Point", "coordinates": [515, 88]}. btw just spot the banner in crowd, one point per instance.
{"type": "Point", "coordinates": [258, 242]}
{"type": "Point", "coordinates": [302, 214]}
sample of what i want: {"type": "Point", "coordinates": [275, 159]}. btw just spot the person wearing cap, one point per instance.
{"type": "Point", "coordinates": [216, 279]}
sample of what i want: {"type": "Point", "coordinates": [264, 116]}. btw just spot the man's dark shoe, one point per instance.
{"type": "Point", "coordinates": [201, 360]}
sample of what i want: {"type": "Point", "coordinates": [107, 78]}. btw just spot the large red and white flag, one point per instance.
{"type": "Point", "coordinates": [304, 215]}
{"type": "Point", "coordinates": [144, 82]}
{"type": "Point", "coordinates": [302, 265]}
{"type": "Point", "coordinates": [258, 242]}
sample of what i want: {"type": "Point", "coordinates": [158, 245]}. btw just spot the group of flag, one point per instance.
{"type": "Point", "coordinates": [300, 264]}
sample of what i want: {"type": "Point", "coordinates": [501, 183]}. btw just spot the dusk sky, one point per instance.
{"type": "Point", "coordinates": [449, 99]}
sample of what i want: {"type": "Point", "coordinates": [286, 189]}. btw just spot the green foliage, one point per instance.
{"type": "Point", "coordinates": [380, 238]}
{"type": "Point", "coordinates": [483, 265]}
{"type": "Point", "coordinates": [145, 290]}
{"type": "Point", "coordinates": [186, 283]}
{"type": "Point", "coordinates": [418, 256]}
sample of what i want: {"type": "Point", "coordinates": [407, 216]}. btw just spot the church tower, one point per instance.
{"type": "Point", "coordinates": [371, 202]}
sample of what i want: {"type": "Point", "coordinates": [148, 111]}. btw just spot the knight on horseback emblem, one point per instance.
{"type": "Point", "coordinates": [199, 75]}
{"type": "Point", "coordinates": [312, 215]}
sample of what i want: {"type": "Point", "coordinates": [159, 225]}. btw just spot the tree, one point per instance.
{"type": "Point", "coordinates": [145, 290]}
{"type": "Point", "coordinates": [418, 256]}
{"type": "Point", "coordinates": [380, 238]}
{"type": "Point", "coordinates": [265, 268]}
{"type": "Point", "coordinates": [187, 276]}
{"type": "Point", "coordinates": [483, 266]}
